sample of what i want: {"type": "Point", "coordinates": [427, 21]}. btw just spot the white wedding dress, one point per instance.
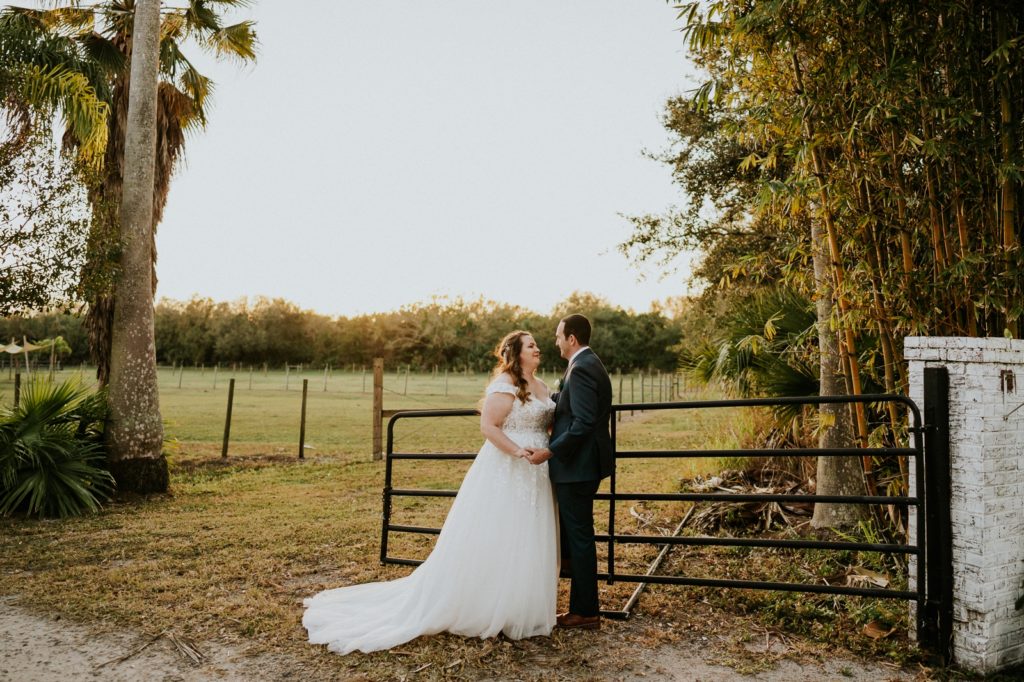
{"type": "Point", "coordinates": [493, 569]}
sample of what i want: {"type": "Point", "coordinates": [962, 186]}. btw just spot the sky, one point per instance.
{"type": "Point", "coordinates": [382, 153]}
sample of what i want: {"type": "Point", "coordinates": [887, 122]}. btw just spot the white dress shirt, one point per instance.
{"type": "Point", "coordinates": [568, 369]}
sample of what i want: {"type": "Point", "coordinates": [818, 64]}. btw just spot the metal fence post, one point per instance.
{"type": "Point", "coordinates": [938, 559]}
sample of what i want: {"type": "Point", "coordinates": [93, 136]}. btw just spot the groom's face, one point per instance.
{"type": "Point", "coordinates": [562, 342]}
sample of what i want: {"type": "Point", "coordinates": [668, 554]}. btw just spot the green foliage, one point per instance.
{"type": "Point", "coordinates": [58, 346]}
{"type": "Point", "coordinates": [763, 345]}
{"type": "Point", "coordinates": [42, 71]}
{"type": "Point", "coordinates": [51, 452]}
{"type": "Point", "coordinates": [44, 223]}
{"type": "Point", "coordinates": [895, 127]}
{"type": "Point", "coordinates": [76, 59]}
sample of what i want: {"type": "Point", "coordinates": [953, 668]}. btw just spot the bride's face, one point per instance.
{"type": "Point", "coordinates": [529, 356]}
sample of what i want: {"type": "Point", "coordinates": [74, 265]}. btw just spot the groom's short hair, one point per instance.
{"type": "Point", "coordinates": [578, 326]}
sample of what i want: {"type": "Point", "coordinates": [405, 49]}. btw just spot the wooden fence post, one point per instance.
{"type": "Point", "coordinates": [378, 408]}
{"type": "Point", "coordinates": [227, 419]}
{"type": "Point", "coordinates": [215, 369]}
{"type": "Point", "coordinates": [405, 391]}
{"type": "Point", "coordinates": [643, 388]}
{"type": "Point", "coordinates": [446, 382]}
{"type": "Point", "coordinates": [17, 388]}
{"type": "Point", "coordinates": [302, 423]}
{"type": "Point", "coordinates": [325, 378]}
{"type": "Point", "coordinates": [287, 375]}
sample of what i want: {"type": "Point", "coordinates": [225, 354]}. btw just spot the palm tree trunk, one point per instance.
{"type": "Point", "coordinates": [135, 432]}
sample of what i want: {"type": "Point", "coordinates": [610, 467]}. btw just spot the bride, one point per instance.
{"type": "Point", "coordinates": [494, 567]}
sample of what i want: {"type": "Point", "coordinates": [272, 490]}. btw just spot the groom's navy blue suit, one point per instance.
{"type": "Point", "coordinates": [581, 448]}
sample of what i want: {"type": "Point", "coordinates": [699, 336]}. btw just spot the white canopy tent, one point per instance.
{"type": "Point", "coordinates": [25, 348]}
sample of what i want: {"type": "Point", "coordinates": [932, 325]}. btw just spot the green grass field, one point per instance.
{"type": "Point", "coordinates": [267, 408]}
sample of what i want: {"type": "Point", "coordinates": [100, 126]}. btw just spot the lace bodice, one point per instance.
{"type": "Point", "coordinates": [533, 416]}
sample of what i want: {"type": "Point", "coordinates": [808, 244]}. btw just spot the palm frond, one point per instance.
{"type": "Point", "coordinates": [198, 89]}
{"type": "Point", "coordinates": [200, 17]}
{"type": "Point", "coordinates": [118, 17]}
{"type": "Point", "coordinates": [762, 347]}
{"type": "Point", "coordinates": [73, 20]}
{"type": "Point", "coordinates": [173, 26]}
{"type": "Point", "coordinates": [103, 55]}
{"type": "Point", "coordinates": [237, 41]}
{"type": "Point", "coordinates": [84, 113]}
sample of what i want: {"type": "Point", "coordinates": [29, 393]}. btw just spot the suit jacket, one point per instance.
{"type": "Point", "coordinates": [581, 442]}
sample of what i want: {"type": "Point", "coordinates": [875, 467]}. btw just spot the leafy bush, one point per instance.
{"type": "Point", "coordinates": [51, 451]}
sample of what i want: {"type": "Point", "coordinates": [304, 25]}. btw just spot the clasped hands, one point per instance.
{"type": "Point", "coordinates": [534, 455]}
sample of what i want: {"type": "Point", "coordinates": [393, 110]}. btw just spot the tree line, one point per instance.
{"type": "Point", "coordinates": [444, 333]}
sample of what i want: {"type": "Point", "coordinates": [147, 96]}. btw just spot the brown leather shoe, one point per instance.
{"type": "Point", "coordinates": [572, 620]}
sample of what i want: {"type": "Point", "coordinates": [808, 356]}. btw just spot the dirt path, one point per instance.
{"type": "Point", "coordinates": [41, 648]}
{"type": "Point", "coordinates": [38, 648]}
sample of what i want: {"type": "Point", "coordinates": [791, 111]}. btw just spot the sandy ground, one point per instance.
{"type": "Point", "coordinates": [40, 648]}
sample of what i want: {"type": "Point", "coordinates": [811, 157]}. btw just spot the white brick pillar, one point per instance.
{"type": "Point", "coordinates": [986, 383]}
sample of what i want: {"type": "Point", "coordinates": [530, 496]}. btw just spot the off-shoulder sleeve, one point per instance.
{"type": "Point", "coordinates": [500, 387]}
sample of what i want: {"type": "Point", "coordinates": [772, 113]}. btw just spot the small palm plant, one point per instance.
{"type": "Point", "coordinates": [764, 346]}
{"type": "Point", "coordinates": [51, 451]}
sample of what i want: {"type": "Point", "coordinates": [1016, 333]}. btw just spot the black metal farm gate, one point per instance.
{"type": "Point", "coordinates": [931, 545]}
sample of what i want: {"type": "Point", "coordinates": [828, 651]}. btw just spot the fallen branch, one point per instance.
{"type": "Point", "coordinates": [182, 646]}
{"type": "Point", "coordinates": [124, 658]}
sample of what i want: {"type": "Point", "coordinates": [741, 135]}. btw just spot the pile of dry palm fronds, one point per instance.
{"type": "Point", "coordinates": [748, 517]}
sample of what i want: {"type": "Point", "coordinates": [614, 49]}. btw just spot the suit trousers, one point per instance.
{"type": "Point", "coordinates": [576, 531]}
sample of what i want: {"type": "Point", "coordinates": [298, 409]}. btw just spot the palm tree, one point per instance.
{"type": "Point", "coordinates": [168, 98]}
{"type": "Point", "coordinates": [41, 73]}
{"type": "Point", "coordinates": [103, 35]}
{"type": "Point", "coordinates": [135, 432]}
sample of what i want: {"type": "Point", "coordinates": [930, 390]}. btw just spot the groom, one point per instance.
{"type": "Point", "coordinates": [581, 455]}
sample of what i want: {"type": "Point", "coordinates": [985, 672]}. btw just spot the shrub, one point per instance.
{"type": "Point", "coordinates": [51, 451]}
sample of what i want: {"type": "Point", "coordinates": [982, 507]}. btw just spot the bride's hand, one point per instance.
{"type": "Point", "coordinates": [539, 456]}
{"type": "Point", "coordinates": [523, 453]}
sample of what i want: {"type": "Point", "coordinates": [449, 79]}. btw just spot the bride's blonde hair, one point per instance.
{"type": "Point", "coordinates": [507, 351]}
